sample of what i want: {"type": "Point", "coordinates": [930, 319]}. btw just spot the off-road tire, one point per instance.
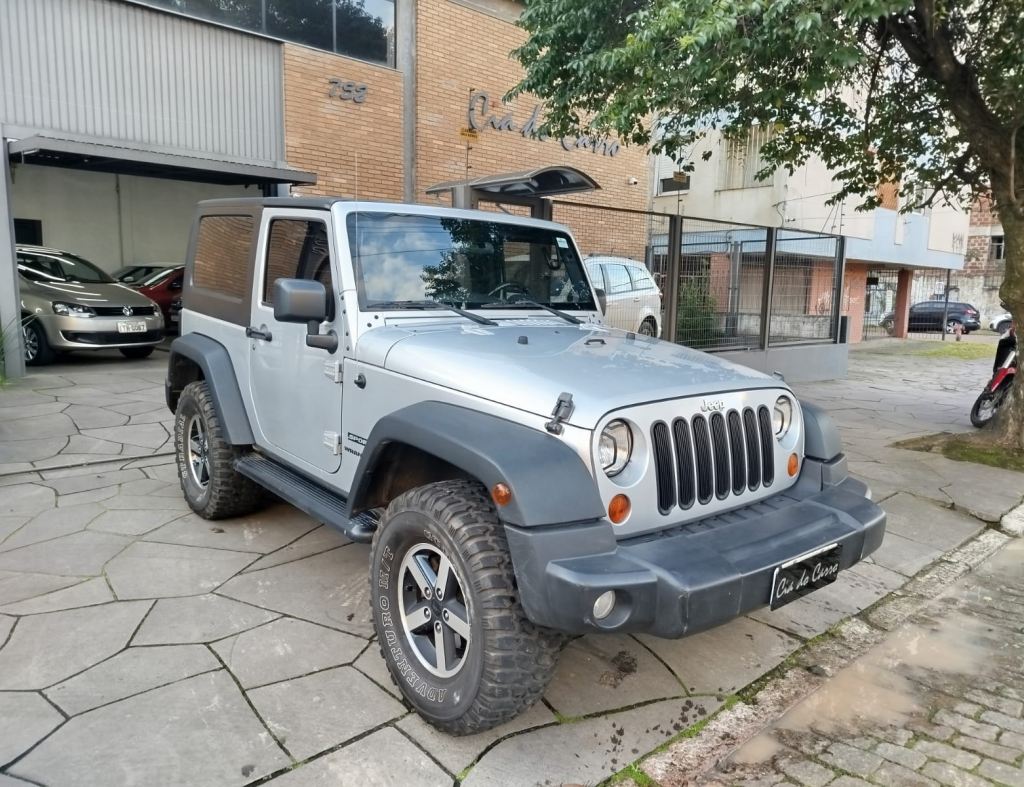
{"type": "Point", "coordinates": [227, 492]}
{"type": "Point", "coordinates": [136, 353]}
{"type": "Point", "coordinates": [44, 354]}
{"type": "Point", "coordinates": [510, 661]}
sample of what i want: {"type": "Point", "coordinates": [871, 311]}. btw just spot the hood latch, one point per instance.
{"type": "Point", "coordinates": [562, 412]}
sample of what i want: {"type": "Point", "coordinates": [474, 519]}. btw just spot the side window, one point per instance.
{"type": "Point", "coordinates": [222, 254]}
{"type": "Point", "coordinates": [641, 278]}
{"type": "Point", "coordinates": [298, 249]}
{"type": "Point", "coordinates": [597, 275]}
{"type": "Point", "coordinates": [618, 279]}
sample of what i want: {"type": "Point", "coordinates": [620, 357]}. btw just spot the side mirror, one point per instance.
{"type": "Point", "coordinates": [304, 300]}
{"type": "Point", "coordinates": [175, 285]}
{"type": "Point", "coordinates": [602, 299]}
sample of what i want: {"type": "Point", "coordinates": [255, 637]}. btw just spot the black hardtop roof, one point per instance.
{"type": "Point", "coordinates": [323, 203]}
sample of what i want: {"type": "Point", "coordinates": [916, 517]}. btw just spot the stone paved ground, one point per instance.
{"type": "Point", "coordinates": [937, 701]}
{"type": "Point", "coordinates": [140, 644]}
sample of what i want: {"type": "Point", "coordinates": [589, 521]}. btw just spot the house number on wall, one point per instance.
{"type": "Point", "coordinates": [347, 91]}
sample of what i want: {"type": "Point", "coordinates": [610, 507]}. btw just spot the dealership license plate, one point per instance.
{"type": "Point", "coordinates": [131, 327]}
{"type": "Point", "coordinates": [805, 574]}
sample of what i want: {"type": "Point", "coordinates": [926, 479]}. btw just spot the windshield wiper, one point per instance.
{"type": "Point", "coordinates": [436, 305]}
{"type": "Point", "coordinates": [533, 305]}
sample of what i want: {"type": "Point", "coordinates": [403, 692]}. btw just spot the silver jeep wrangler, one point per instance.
{"type": "Point", "coordinates": [439, 383]}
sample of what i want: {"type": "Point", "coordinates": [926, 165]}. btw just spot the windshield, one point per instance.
{"type": "Point", "coordinates": [63, 267]}
{"type": "Point", "coordinates": [402, 260]}
{"type": "Point", "coordinates": [158, 277]}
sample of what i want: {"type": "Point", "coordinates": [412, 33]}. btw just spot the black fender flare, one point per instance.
{"type": "Point", "coordinates": [549, 481]}
{"type": "Point", "coordinates": [821, 435]}
{"type": "Point", "coordinates": [214, 361]}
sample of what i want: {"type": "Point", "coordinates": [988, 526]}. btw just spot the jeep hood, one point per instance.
{"type": "Point", "coordinates": [527, 363]}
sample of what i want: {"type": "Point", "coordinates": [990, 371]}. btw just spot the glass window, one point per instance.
{"type": "Point", "coordinates": [618, 279]}
{"type": "Point", "coordinates": [62, 267]}
{"type": "Point", "coordinates": [403, 261]}
{"type": "Point", "coordinates": [298, 249]}
{"type": "Point", "coordinates": [359, 28]}
{"type": "Point", "coordinates": [641, 278]}
{"type": "Point", "coordinates": [222, 254]}
{"type": "Point", "coordinates": [679, 181]}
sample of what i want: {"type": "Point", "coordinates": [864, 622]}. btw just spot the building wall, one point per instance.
{"type": "Point", "coordinates": [355, 147]}
{"type": "Point", "coordinates": [461, 50]}
{"type": "Point", "coordinates": [82, 212]}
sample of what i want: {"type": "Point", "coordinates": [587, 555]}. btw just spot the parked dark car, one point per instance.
{"type": "Point", "coordinates": [927, 316]}
{"type": "Point", "coordinates": [163, 287]}
{"type": "Point", "coordinates": [134, 274]}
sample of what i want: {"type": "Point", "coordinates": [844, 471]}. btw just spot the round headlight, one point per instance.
{"type": "Point", "coordinates": [782, 416]}
{"type": "Point", "coordinates": [615, 447]}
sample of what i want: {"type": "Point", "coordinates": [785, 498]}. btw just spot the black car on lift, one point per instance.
{"type": "Point", "coordinates": [927, 316]}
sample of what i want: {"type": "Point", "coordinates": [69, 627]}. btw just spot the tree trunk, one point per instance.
{"type": "Point", "coordinates": [1009, 423]}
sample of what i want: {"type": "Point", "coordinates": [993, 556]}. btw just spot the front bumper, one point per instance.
{"type": "Point", "coordinates": [697, 575]}
{"type": "Point", "coordinates": [96, 333]}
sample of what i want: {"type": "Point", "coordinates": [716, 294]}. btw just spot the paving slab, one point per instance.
{"type": "Point", "coordinates": [597, 673]}
{"type": "Point", "coordinates": [589, 751]}
{"type": "Point", "coordinates": [198, 619]}
{"type": "Point", "coordinates": [6, 624]}
{"type": "Point", "coordinates": [904, 556]}
{"type": "Point", "coordinates": [132, 671]}
{"type": "Point", "coordinates": [372, 665]}
{"type": "Point", "coordinates": [30, 450]}
{"type": "Point", "coordinates": [17, 586]}
{"type": "Point", "coordinates": [52, 523]}
{"type": "Point", "coordinates": [80, 444]}
{"type": "Point", "coordinates": [88, 417]}
{"type": "Point", "coordinates": [9, 523]}
{"type": "Point", "coordinates": [133, 522]}
{"type": "Point", "coordinates": [198, 732]}
{"type": "Point", "coordinates": [36, 427]}
{"type": "Point", "coordinates": [319, 540]}
{"type": "Point", "coordinates": [330, 588]}
{"type": "Point", "coordinates": [26, 499]}
{"type": "Point", "coordinates": [286, 648]}
{"type": "Point", "coordinates": [457, 753]}
{"type": "Point", "coordinates": [724, 659]}
{"type": "Point", "coordinates": [805, 618]}
{"type": "Point", "coordinates": [311, 714]}
{"type": "Point", "coordinates": [927, 523]}
{"type": "Point", "coordinates": [48, 648]}
{"type": "Point", "coordinates": [84, 482]}
{"type": "Point", "coordinates": [264, 532]}
{"type": "Point", "coordinates": [25, 719]}
{"type": "Point", "coordinates": [80, 554]}
{"type": "Point", "coordinates": [379, 760]}
{"type": "Point", "coordinates": [92, 496]}
{"type": "Point", "coordinates": [140, 435]}
{"type": "Point", "coordinates": [146, 570]}
{"type": "Point", "coordinates": [143, 502]}
{"type": "Point", "coordinates": [85, 594]}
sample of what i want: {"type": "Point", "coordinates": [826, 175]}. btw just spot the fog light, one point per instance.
{"type": "Point", "coordinates": [604, 605]}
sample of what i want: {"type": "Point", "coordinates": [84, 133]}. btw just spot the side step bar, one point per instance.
{"type": "Point", "coordinates": [308, 496]}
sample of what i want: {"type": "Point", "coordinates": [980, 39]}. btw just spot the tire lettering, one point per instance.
{"type": "Point", "coordinates": [385, 619]}
{"type": "Point", "coordinates": [384, 603]}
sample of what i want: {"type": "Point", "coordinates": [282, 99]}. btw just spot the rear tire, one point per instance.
{"type": "Point", "coordinates": [136, 353]}
{"type": "Point", "coordinates": [648, 328]}
{"type": "Point", "coordinates": [206, 460]}
{"type": "Point", "coordinates": [501, 663]}
{"type": "Point", "coordinates": [36, 346]}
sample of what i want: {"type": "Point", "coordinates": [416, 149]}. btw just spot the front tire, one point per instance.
{"type": "Point", "coordinates": [36, 346]}
{"type": "Point", "coordinates": [648, 328]}
{"type": "Point", "coordinates": [470, 659]}
{"type": "Point", "coordinates": [206, 460]}
{"type": "Point", "coordinates": [136, 353]}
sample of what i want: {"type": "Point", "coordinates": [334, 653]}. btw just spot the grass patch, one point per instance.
{"type": "Point", "coordinates": [966, 448]}
{"type": "Point", "coordinates": [632, 771]}
{"type": "Point", "coordinates": [964, 351]}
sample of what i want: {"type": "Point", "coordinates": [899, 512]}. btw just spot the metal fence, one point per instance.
{"type": "Point", "coordinates": [722, 286]}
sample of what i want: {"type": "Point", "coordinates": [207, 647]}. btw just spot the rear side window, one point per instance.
{"type": "Point", "coordinates": [641, 278]}
{"type": "Point", "coordinates": [223, 248]}
{"type": "Point", "coordinates": [298, 249]}
{"type": "Point", "coordinates": [618, 279]}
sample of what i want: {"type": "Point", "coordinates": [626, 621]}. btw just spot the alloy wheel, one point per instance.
{"type": "Point", "coordinates": [433, 610]}
{"type": "Point", "coordinates": [31, 343]}
{"type": "Point", "coordinates": [197, 452]}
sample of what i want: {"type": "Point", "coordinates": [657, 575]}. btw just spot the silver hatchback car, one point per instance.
{"type": "Point", "coordinates": [67, 303]}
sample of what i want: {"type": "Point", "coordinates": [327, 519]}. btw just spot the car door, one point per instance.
{"type": "Point", "coordinates": [921, 317]}
{"type": "Point", "coordinates": [296, 389]}
{"type": "Point", "coordinates": [619, 289]}
{"type": "Point", "coordinates": [645, 294]}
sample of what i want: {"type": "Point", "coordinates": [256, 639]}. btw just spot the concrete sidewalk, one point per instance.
{"type": "Point", "coordinates": [140, 643]}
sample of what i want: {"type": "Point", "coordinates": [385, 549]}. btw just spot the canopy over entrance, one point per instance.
{"type": "Point", "coordinates": [530, 187]}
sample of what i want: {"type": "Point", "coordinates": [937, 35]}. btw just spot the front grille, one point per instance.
{"type": "Point", "coordinates": [111, 337]}
{"type": "Point", "coordinates": [704, 458]}
{"type": "Point", "coordinates": [118, 311]}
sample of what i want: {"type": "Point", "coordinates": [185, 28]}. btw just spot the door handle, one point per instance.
{"type": "Point", "coordinates": [256, 333]}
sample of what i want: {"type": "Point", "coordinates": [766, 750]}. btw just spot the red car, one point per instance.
{"type": "Point", "coordinates": [163, 287]}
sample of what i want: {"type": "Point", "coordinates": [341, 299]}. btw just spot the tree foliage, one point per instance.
{"type": "Point", "coordinates": [928, 94]}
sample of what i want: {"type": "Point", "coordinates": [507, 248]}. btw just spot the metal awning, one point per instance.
{"type": "Point", "coordinates": [534, 183]}
{"type": "Point", "coordinates": [109, 156]}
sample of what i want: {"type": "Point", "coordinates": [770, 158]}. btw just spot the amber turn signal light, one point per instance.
{"type": "Point", "coordinates": [501, 494]}
{"type": "Point", "coordinates": [618, 509]}
{"type": "Point", "coordinates": [794, 465]}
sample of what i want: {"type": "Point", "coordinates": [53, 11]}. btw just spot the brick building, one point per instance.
{"type": "Point", "coordinates": [117, 116]}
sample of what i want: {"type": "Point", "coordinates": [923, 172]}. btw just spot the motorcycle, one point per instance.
{"type": "Point", "coordinates": [997, 389]}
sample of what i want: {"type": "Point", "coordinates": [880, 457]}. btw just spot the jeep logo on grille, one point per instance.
{"type": "Point", "coordinates": [712, 405]}
{"type": "Point", "coordinates": [127, 311]}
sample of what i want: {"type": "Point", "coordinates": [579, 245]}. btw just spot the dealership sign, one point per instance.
{"type": "Point", "coordinates": [481, 118]}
